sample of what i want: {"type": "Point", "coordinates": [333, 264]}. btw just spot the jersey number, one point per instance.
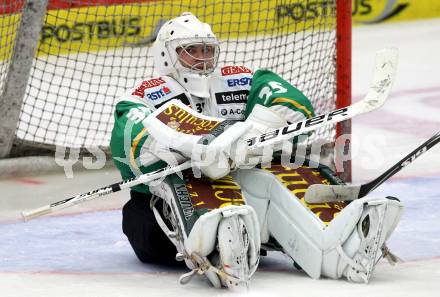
{"type": "Point", "coordinates": [266, 92]}
{"type": "Point", "coordinates": [200, 106]}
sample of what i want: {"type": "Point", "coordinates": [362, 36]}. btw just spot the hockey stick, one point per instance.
{"type": "Point", "coordinates": [144, 178]}
{"type": "Point", "coordinates": [384, 74]}
{"type": "Point", "coordinates": [334, 193]}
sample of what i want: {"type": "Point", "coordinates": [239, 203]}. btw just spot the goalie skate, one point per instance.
{"type": "Point", "coordinates": [233, 244]}
{"type": "Point", "coordinates": [369, 230]}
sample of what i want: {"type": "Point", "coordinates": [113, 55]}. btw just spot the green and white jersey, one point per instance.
{"type": "Point", "coordinates": [234, 91]}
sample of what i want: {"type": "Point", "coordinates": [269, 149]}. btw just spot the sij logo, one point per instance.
{"type": "Point", "coordinates": [413, 157]}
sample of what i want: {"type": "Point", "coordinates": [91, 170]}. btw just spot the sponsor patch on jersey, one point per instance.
{"type": "Point", "coordinates": [159, 93]}
{"type": "Point", "coordinates": [147, 84]}
{"type": "Point", "coordinates": [232, 97]}
{"type": "Point", "coordinates": [244, 81]}
{"type": "Point", "coordinates": [232, 111]}
{"type": "Point", "coordinates": [231, 70]}
{"type": "Point", "coordinates": [182, 97]}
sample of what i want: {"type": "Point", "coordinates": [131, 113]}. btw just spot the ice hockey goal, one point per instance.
{"type": "Point", "coordinates": [63, 63]}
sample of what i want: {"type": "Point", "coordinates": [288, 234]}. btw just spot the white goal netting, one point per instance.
{"type": "Point", "coordinates": [89, 52]}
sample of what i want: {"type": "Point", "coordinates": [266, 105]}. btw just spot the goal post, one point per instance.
{"type": "Point", "coordinates": [16, 62]}
{"type": "Point", "coordinates": [343, 82]}
{"type": "Point", "coordinates": [89, 52]}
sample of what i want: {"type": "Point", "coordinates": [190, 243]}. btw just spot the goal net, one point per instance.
{"type": "Point", "coordinates": [87, 53]}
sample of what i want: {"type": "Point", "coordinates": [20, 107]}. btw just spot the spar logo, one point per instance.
{"type": "Point", "coordinates": [365, 8]}
{"type": "Point", "coordinates": [159, 94]}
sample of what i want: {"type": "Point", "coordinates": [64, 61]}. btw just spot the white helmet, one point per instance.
{"type": "Point", "coordinates": [184, 32]}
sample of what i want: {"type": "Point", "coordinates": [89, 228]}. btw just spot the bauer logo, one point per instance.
{"type": "Point", "coordinates": [232, 97]}
{"type": "Point", "coordinates": [231, 70]}
{"type": "Point", "coordinates": [147, 84]}
{"type": "Point", "coordinates": [244, 81]}
{"type": "Point", "coordinates": [298, 127]}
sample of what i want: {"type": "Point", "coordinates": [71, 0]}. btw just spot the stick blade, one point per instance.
{"type": "Point", "coordinates": [385, 68]}
{"type": "Point", "coordinates": [319, 193]}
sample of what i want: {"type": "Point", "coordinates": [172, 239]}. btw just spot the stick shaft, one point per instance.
{"type": "Point", "coordinates": [335, 193]}
{"type": "Point", "coordinates": [408, 159]}
{"type": "Point", "coordinates": [145, 178]}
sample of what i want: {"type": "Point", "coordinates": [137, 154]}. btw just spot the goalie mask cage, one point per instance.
{"type": "Point", "coordinates": [64, 63]}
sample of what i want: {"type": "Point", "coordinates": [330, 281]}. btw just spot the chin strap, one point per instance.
{"type": "Point", "coordinates": [196, 84]}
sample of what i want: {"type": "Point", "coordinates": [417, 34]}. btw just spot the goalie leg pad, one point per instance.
{"type": "Point", "coordinates": [222, 243]}
{"type": "Point", "coordinates": [283, 217]}
{"type": "Point", "coordinates": [349, 246]}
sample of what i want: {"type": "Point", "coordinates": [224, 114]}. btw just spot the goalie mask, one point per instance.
{"type": "Point", "coordinates": [187, 50]}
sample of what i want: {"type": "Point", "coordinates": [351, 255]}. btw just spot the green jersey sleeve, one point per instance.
{"type": "Point", "coordinates": [127, 139]}
{"type": "Point", "coordinates": [268, 89]}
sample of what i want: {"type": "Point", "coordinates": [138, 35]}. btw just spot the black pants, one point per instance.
{"type": "Point", "coordinates": [147, 239]}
